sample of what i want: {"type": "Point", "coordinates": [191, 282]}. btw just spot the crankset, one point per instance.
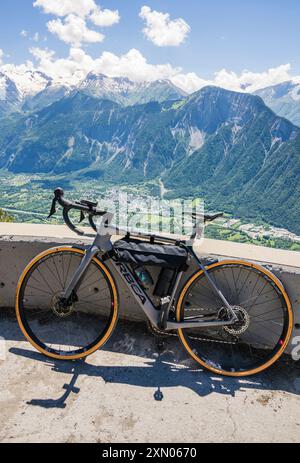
{"type": "Point", "coordinates": [156, 331]}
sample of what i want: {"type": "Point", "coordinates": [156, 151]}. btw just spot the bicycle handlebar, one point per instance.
{"type": "Point", "coordinates": [90, 208]}
{"type": "Point", "coordinates": [84, 206]}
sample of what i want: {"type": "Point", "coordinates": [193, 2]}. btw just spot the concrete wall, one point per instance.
{"type": "Point", "coordinates": [19, 243]}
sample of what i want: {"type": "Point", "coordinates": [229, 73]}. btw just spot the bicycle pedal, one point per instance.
{"type": "Point", "coordinates": [161, 346]}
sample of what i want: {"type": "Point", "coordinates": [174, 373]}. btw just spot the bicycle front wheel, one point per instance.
{"type": "Point", "coordinates": [74, 331]}
{"type": "Point", "coordinates": [263, 310]}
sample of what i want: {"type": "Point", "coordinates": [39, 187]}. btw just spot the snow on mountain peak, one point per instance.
{"type": "Point", "coordinates": [28, 82]}
{"type": "Point", "coordinates": [3, 79]}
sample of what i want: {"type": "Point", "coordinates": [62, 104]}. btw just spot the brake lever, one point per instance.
{"type": "Point", "coordinates": [53, 208]}
{"type": "Point", "coordinates": [82, 217]}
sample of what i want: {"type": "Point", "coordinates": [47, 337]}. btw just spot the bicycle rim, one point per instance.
{"type": "Point", "coordinates": [265, 319]}
{"type": "Point", "coordinates": [83, 327]}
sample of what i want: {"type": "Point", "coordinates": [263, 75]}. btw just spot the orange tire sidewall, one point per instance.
{"type": "Point", "coordinates": [279, 286]}
{"type": "Point", "coordinates": [115, 303]}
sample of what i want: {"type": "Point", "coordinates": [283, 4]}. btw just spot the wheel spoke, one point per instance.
{"type": "Point", "coordinates": [72, 328]}
{"type": "Point", "coordinates": [254, 340]}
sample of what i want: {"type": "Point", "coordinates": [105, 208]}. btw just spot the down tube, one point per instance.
{"type": "Point", "coordinates": [137, 291]}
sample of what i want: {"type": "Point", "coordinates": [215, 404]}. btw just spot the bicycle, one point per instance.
{"type": "Point", "coordinates": [233, 317]}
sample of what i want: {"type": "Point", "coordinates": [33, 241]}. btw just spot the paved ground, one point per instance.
{"type": "Point", "coordinates": [110, 397]}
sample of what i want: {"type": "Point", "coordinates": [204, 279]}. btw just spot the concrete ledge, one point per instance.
{"type": "Point", "coordinates": [19, 243]}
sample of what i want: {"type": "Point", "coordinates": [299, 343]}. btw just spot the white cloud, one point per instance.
{"type": "Point", "coordinates": [71, 26]}
{"type": "Point", "coordinates": [105, 18]}
{"type": "Point", "coordinates": [252, 81]}
{"type": "Point", "coordinates": [62, 8]}
{"type": "Point", "coordinates": [23, 33]}
{"type": "Point", "coordinates": [36, 37]}
{"type": "Point", "coordinates": [246, 81]}
{"type": "Point", "coordinates": [161, 30]}
{"type": "Point", "coordinates": [85, 9]}
{"type": "Point", "coordinates": [135, 66]}
{"type": "Point", "coordinates": [74, 30]}
{"type": "Point", "coordinates": [42, 54]}
{"type": "Point", "coordinates": [189, 82]}
{"type": "Point", "coordinates": [132, 65]}
{"type": "Point", "coordinates": [1, 56]}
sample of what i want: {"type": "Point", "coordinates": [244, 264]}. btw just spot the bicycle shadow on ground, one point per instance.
{"type": "Point", "coordinates": [165, 365]}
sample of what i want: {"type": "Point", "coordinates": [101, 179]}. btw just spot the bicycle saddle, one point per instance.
{"type": "Point", "coordinates": [207, 217]}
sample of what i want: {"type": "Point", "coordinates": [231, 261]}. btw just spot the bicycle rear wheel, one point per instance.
{"type": "Point", "coordinates": [264, 313]}
{"type": "Point", "coordinates": [82, 327]}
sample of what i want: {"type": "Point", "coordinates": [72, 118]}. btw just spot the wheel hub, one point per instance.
{"type": "Point", "coordinates": [242, 323]}
{"type": "Point", "coordinates": [61, 307]}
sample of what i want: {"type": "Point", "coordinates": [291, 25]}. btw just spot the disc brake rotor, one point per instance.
{"type": "Point", "coordinates": [242, 324]}
{"type": "Point", "coordinates": [59, 308]}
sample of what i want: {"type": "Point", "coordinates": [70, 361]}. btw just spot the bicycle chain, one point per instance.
{"type": "Point", "coordinates": [203, 339]}
{"type": "Point", "coordinates": [168, 333]}
{"type": "Point", "coordinates": [195, 338]}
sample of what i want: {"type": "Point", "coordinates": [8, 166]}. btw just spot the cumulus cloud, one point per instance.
{"type": "Point", "coordinates": [63, 8]}
{"type": "Point", "coordinates": [252, 81]}
{"type": "Point", "coordinates": [189, 82]}
{"type": "Point", "coordinates": [42, 54]}
{"type": "Point", "coordinates": [23, 33]}
{"type": "Point", "coordinates": [74, 30]}
{"type": "Point", "coordinates": [132, 65]}
{"type": "Point", "coordinates": [161, 30]}
{"type": "Point", "coordinates": [71, 26]}
{"type": "Point", "coordinates": [105, 18]}
{"type": "Point", "coordinates": [246, 81]}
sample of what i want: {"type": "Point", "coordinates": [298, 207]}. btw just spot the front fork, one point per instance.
{"type": "Point", "coordinates": [101, 242]}
{"type": "Point", "coordinates": [79, 273]}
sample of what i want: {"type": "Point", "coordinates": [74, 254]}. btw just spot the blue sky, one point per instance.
{"type": "Point", "coordinates": [234, 35]}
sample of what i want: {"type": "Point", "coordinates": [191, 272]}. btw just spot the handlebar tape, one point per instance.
{"type": "Point", "coordinates": [69, 223]}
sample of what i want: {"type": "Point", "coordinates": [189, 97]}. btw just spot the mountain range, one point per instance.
{"type": "Point", "coordinates": [225, 146]}
{"type": "Point", "coordinates": [30, 90]}
{"type": "Point", "coordinates": [33, 90]}
{"type": "Point", "coordinates": [284, 99]}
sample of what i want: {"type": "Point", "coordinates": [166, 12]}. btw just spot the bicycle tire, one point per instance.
{"type": "Point", "coordinates": [23, 314]}
{"type": "Point", "coordinates": [212, 361]}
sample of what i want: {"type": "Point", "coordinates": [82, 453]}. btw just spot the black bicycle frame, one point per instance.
{"type": "Point", "coordinates": [103, 244]}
